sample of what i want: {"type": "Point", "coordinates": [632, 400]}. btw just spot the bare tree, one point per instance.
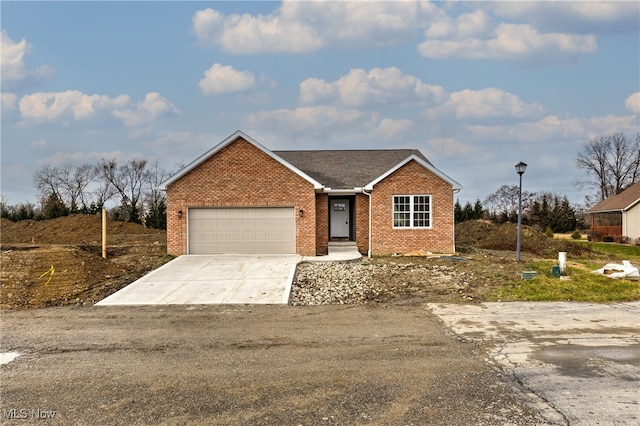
{"type": "Point", "coordinates": [611, 163]}
{"type": "Point", "coordinates": [155, 199]}
{"type": "Point", "coordinates": [47, 181]}
{"type": "Point", "coordinates": [74, 182]}
{"type": "Point", "coordinates": [505, 201]}
{"type": "Point", "coordinates": [129, 180]}
{"type": "Point", "coordinates": [103, 191]}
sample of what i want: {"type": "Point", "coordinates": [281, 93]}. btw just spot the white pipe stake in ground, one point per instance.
{"type": "Point", "coordinates": [562, 261]}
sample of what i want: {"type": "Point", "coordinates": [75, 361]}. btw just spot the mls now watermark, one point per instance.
{"type": "Point", "coordinates": [24, 414]}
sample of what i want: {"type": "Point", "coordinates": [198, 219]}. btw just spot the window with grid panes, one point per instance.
{"type": "Point", "coordinates": [411, 211]}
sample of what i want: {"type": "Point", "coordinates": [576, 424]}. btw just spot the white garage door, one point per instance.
{"type": "Point", "coordinates": [261, 230]}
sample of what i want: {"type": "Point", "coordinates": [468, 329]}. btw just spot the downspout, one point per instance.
{"type": "Point", "coordinates": [368, 194]}
{"type": "Point", "coordinates": [453, 212]}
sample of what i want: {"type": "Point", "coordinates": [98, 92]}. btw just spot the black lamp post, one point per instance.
{"type": "Point", "coordinates": [520, 168]}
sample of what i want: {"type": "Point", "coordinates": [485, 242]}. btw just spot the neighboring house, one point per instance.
{"type": "Point", "coordinates": [618, 215]}
{"type": "Point", "coordinates": [240, 197]}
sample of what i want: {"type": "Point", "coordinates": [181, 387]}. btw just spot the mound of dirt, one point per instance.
{"type": "Point", "coordinates": [59, 261]}
{"type": "Point", "coordinates": [74, 229]}
{"type": "Point", "coordinates": [487, 235]}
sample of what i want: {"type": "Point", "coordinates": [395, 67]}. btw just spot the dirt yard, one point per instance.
{"type": "Point", "coordinates": [58, 262]}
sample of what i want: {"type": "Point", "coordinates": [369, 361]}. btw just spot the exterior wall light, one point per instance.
{"type": "Point", "coordinates": [301, 212]}
{"type": "Point", "coordinates": [179, 214]}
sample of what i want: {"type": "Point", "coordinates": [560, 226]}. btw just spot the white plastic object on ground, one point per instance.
{"type": "Point", "coordinates": [616, 270]}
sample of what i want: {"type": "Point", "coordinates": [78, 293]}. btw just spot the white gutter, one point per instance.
{"type": "Point", "coordinates": [370, 238]}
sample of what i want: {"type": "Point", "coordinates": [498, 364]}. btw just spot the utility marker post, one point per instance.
{"type": "Point", "coordinates": [104, 233]}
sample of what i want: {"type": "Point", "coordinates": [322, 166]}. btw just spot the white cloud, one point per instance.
{"type": "Point", "coordinates": [327, 126]}
{"type": "Point", "coordinates": [481, 104]}
{"type": "Point", "coordinates": [450, 147]}
{"type": "Point", "coordinates": [179, 148]}
{"type": "Point", "coordinates": [71, 104]}
{"type": "Point", "coordinates": [225, 79]}
{"type": "Point", "coordinates": [377, 86]}
{"type": "Point", "coordinates": [172, 140]}
{"type": "Point", "coordinates": [154, 107]}
{"type": "Point", "coordinates": [312, 120]}
{"type": "Point", "coordinates": [249, 34]}
{"type": "Point", "coordinates": [314, 90]}
{"type": "Point", "coordinates": [580, 16]}
{"type": "Point", "coordinates": [38, 144]}
{"type": "Point", "coordinates": [527, 31]}
{"type": "Point", "coordinates": [8, 101]}
{"type": "Point", "coordinates": [306, 26]}
{"type": "Point", "coordinates": [389, 128]}
{"type": "Point", "coordinates": [12, 62]}
{"type": "Point", "coordinates": [553, 128]}
{"type": "Point", "coordinates": [467, 25]}
{"type": "Point", "coordinates": [82, 157]}
{"type": "Point", "coordinates": [510, 41]}
{"type": "Point", "coordinates": [633, 103]}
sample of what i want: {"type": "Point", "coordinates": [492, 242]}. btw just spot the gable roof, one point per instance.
{"type": "Point", "coordinates": [619, 202]}
{"type": "Point", "coordinates": [232, 138]}
{"type": "Point", "coordinates": [426, 164]}
{"type": "Point", "coordinates": [347, 169]}
{"type": "Point", "coordinates": [330, 169]}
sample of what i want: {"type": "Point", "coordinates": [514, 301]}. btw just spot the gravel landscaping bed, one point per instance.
{"type": "Point", "coordinates": [364, 282]}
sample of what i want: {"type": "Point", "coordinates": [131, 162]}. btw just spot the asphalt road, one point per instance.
{"type": "Point", "coordinates": [257, 365]}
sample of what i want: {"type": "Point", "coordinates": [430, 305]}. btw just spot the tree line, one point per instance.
{"type": "Point", "coordinates": [546, 211]}
{"type": "Point", "coordinates": [610, 164]}
{"type": "Point", "coordinates": [63, 190]}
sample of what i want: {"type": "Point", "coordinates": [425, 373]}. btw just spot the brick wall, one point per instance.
{"type": "Point", "coordinates": [362, 222]}
{"type": "Point", "coordinates": [241, 175]}
{"type": "Point", "coordinates": [412, 179]}
{"type": "Point", "coordinates": [322, 224]}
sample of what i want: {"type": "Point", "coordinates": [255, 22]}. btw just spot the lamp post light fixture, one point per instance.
{"type": "Point", "coordinates": [520, 168]}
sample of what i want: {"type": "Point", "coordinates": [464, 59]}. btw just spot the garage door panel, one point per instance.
{"type": "Point", "coordinates": [242, 230]}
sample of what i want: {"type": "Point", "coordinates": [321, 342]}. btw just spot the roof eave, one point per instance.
{"type": "Point", "coordinates": [632, 205]}
{"type": "Point", "coordinates": [594, 209]}
{"type": "Point", "coordinates": [605, 211]}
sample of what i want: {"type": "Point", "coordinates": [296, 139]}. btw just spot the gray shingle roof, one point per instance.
{"type": "Point", "coordinates": [342, 169]}
{"type": "Point", "coordinates": [624, 200]}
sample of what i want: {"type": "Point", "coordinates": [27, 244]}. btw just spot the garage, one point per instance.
{"type": "Point", "coordinates": [243, 230]}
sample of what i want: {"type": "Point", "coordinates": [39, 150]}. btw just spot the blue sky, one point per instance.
{"type": "Point", "coordinates": [476, 86]}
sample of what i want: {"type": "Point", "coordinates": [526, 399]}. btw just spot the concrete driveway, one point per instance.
{"type": "Point", "coordinates": [213, 279]}
{"type": "Point", "coordinates": [578, 363]}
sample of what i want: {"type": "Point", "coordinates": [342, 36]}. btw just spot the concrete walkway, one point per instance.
{"type": "Point", "coordinates": [213, 279]}
{"type": "Point", "coordinates": [338, 252]}
{"type": "Point", "coordinates": [578, 363]}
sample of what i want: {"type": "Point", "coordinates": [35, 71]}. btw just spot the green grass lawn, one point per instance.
{"type": "Point", "coordinates": [579, 282]}
{"type": "Point", "coordinates": [624, 251]}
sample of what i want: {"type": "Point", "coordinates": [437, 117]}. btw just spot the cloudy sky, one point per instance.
{"type": "Point", "coordinates": [476, 86]}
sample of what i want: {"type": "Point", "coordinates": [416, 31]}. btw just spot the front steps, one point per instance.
{"type": "Point", "coordinates": [339, 251]}
{"type": "Point", "coordinates": [342, 247]}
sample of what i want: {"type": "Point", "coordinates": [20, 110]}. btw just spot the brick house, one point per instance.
{"type": "Point", "coordinates": [240, 197]}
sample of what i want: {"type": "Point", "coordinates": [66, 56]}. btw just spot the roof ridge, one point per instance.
{"type": "Point", "coordinates": [339, 150]}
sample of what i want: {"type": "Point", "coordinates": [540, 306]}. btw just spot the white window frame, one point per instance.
{"type": "Point", "coordinates": [412, 210]}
